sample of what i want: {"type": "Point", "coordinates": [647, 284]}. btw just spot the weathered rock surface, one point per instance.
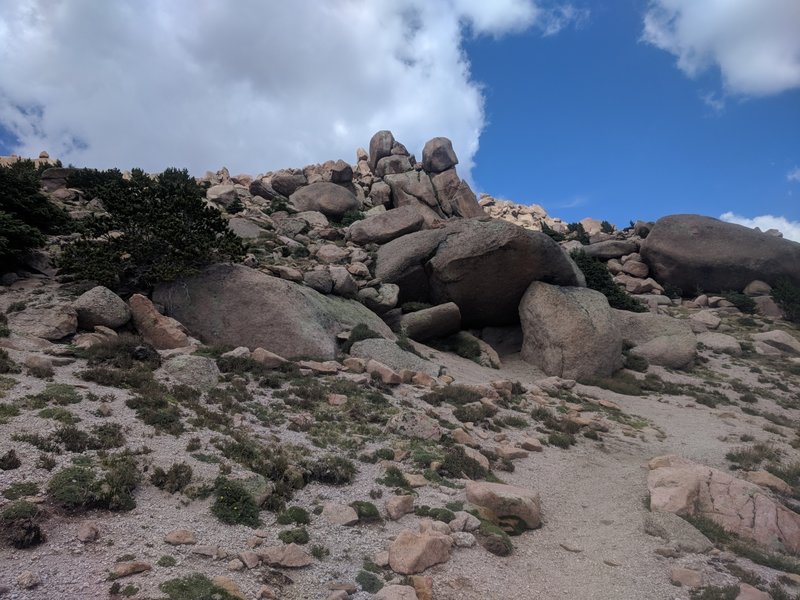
{"type": "Point", "coordinates": [386, 226]}
{"type": "Point", "coordinates": [692, 251]}
{"type": "Point", "coordinates": [392, 355]}
{"type": "Point", "coordinates": [330, 199]}
{"type": "Point", "coordinates": [234, 305]}
{"type": "Point", "coordinates": [414, 552]}
{"type": "Point", "coordinates": [438, 155]}
{"type": "Point", "coordinates": [483, 266]}
{"type": "Point", "coordinates": [50, 323]}
{"type": "Point", "coordinates": [660, 339]}
{"type": "Point", "coordinates": [569, 332]}
{"type": "Point", "coordinates": [498, 501]}
{"type": "Point", "coordinates": [680, 486]}
{"type": "Point", "coordinates": [437, 321]}
{"type": "Point", "coordinates": [158, 330]}
{"type": "Point", "coordinates": [101, 306]}
{"type": "Point", "coordinates": [199, 372]}
{"type": "Point", "coordinates": [779, 339]}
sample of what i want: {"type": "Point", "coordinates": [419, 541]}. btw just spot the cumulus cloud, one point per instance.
{"type": "Point", "coordinates": [789, 229]}
{"type": "Point", "coordinates": [252, 85]}
{"type": "Point", "coordinates": [755, 44]}
{"type": "Point", "coordinates": [793, 175]}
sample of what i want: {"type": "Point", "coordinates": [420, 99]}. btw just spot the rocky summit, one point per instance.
{"type": "Point", "coordinates": [360, 380]}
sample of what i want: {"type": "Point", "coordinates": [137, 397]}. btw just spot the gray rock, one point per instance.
{"type": "Point", "coordinates": [198, 372]}
{"type": "Point", "coordinates": [611, 249]}
{"type": "Point", "coordinates": [660, 339]}
{"type": "Point", "coordinates": [238, 306]}
{"type": "Point", "coordinates": [380, 300]}
{"type": "Point", "coordinates": [677, 532]}
{"type": "Point", "coordinates": [380, 193]}
{"type": "Point", "coordinates": [414, 188]}
{"type": "Point", "coordinates": [101, 306]}
{"type": "Point", "coordinates": [386, 226]}
{"type": "Point", "coordinates": [484, 266]}
{"type": "Point", "coordinates": [393, 164]}
{"type": "Point", "coordinates": [343, 283]}
{"type": "Point", "coordinates": [692, 251]}
{"type": "Point", "coordinates": [437, 321]}
{"type": "Point", "coordinates": [456, 198]}
{"type": "Point", "coordinates": [319, 280]}
{"type": "Point", "coordinates": [779, 339]}
{"type": "Point", "coordinates": [720, 342]}
{"type": "Point", "coordinates": [438, 155]}
{"type": "Point", "coordinates": [569, 332]}
{"type": "Point", "coordinates": [50, 323]}
{"type": "Point", "coordinates": [223, 194]}
{"type": "Point", "coordinates": [330, 199]}
{"type": "Point", "coordinates": [379, 146]}
{"type": "Point", "coordinates": [287, 181]}
{"type": "Point", "coordinates": [245, 228]}
{"type": "Point", "coordinates": [392, 355]}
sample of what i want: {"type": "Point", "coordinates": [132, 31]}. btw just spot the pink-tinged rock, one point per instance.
{"type": "Point", "coordinates": [157, 330]}
{"type": "Point", "coordinates": [125, 569]}
{"type": "Point", "coordinates": [267, 358]}
{"type": "Point", "coordinates": [768, 480]}
{"type": "Point", "coordinates": [682, 487]}
{"type": "Point", "coordinates": [412, 552]}
{"type": "Point", "coordinates": [397, 506]}
{"type": "Point", "coordinates": [531, 444]}
{"type": "Point", "coordinates": [498, 500]}
{"type": "Point", "coordinates": [748, 592]}
{"type": "Point", "coordinates": [384, 373]}
{"type": "Point", "coordinates": [179, 537]}
{"type": "Point", "coordinates": [289, 556]}
{"type": "Point", "coordinates": [355, 365]}
{"type": "Point", "coordinates": [686, 577]}
{"type": "Point", "coordinates": [397, 592]}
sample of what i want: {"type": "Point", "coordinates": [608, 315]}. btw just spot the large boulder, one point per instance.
{"type": "Point", "coordinates": [328, 198]}
{"type": "Point", "coordinates": [685, 488]}
{"type": "Point", "coordinates": [160, 331]}
{"type": "Point", "coordinates": [484, 266]}
{"type": "Point", "coordinates": [238, 306]}
{"type": "Point", "coordinates": [569, 332]}
{"type": "Point", "coordinates": [386, 226]}
{"type": "Point", "coordinates": [692, 251]}
{"type": "Point", "coordinates": [379, 146]}
{"type": "Point", "coordinates": [438, 155]}
{"type": "Point", "coordinates": [414, 188]}
{"type": "Point", "coordinates": [101, 306]}
{"type": "Point", "coordinates": [456, 198]}
{"type": "Point", "coordinates": [660, 339]}
{"type": "Point", "coordinates": [433, 322]}
{"type": "Point", "coordinates": [609, 249]}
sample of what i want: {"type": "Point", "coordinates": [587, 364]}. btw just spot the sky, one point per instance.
{"type": "Point", "coordinates": [613, 109]}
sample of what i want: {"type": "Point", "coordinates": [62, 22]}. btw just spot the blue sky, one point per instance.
{"type": "Point", "coordinates": [615, 109]}
{"type": "Point", "coordinates": [594, 122]}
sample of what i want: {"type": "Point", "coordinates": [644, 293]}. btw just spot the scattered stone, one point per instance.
{"type": "Point", "coordinates": [462, 539]}
{"type": "Point", "coordinates": [125, 569]}
{"type": "Point", "coordinates": [339, 514]}
{"type": "Point", "coordinates": [779, 339]}
{"type": "Point", "coordinates": [267, 358]}
{"type": "Point", "coordinates": [464, 521]}
{"type": "Point", "coordinates": [531, 444]}
{"type": "Point", "coordinates": [423, 586]}
{"type": "Point", "coordinates": [88, 532]}
{"type": "Point", "coordinates": [28, 580]}
{"type": "Point", "coordinates": [250, 559]}
{"type": "Point", "coordinates": [570, 547]}
{"type": "Point", "coordinates": [686, 577]}
{"type": "Point", "coordinates": [290, 556]}
{"type": "Point", "coordinates": [199, 372]}
{"type": "Point", "coordinates": [414, 552]}
{"type": "Point", "coordinates": [396, 592]}
{"type": "Point", "coordinates": [398, 506]}
{"type": "Point", "coordinates": [767, 479]}
{"type": "Point", "coordinates": [748, 592]}
{"type": "Point", "coordinates": [50, 323]}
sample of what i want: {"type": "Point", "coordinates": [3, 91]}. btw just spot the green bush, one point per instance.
{"type": "Point", "coordinates": [741, 301]}
{"type": "Point", "coordinates": [367, 512]}
{"type": "Point", "coordinates": [177, 477]}
{"type": "Point", "coordinates": [298, 535]}
{"type": "Point", "coordinates": [157, 229]}
{"type": "Point", "coordinates": [333, 470]}
{"type": "Point", "coordinates": [787, 295]}
{"type": "Point", "coordinates": [26, 215]}
{"type": "Point", "coordinates": [598, 278]}
{"type": "Point", "coordinates": [194, 587]}
{"type": "Point", "coordinates": [359, 332]}
{"type": "Point", "coordinates": [579, 233]}
{"type": "Point", "coordinates": [552, 233]}
{"type": "Point", "coordinates": [369, 582]}
{"type": "Point", "coordinates": [234, 504]}
{"type": "Point", "coordinates": [76, 489]}
{"type": "Point", "coordinates": [19, 525]}
{"type": "Point", "coordinates": [606, 227]}
{"type": "Point", "coordinates": [294, 514]}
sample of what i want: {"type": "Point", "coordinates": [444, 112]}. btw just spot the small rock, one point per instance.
{"type": "Point", "coordinates": [571, 548]}
{"type": "Point", "coordinates": [28, 580]}
{"type": "Point", "coordinates": [464, 521]}
{"type": "Point", "coordinates": [249, 558]}
{"type": "Point", "coordinates": [531, 444]}
{"type": "Point", "coordinates": [339, 514]}
{"type": "Point", "coordinates": [227, 584]}
{"type": "Point", "coordinates": [337, 595]}
{"type": "Point", "coordinates": [397, 592]}
{"type": "Point", "coordinates": [510, 453]}
{"type": "Point", "coordinates": [88, 532]}
{"type": "Point", "coordinates": [398, 506]}
{"type": "Point", "coordinates": [381, 558]}
{"type": "Point", "coordinates": [125, 569]}
{"type": "Point", "coordinates": [180, 537]}
{"type": "Point", "coordinates": [384, 373]}
{"type": "Point", "coordinates": [267, 593]}
{"type": "Point", "coordinates": [290, 556]}
{"type": "Point", "coordinates": [267, 358]}
{"type": "Point", "coordinates": [462, 539]}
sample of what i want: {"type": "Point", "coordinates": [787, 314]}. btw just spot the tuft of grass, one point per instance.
{"type": "Point", "coordinates": [367, 512]}
{"type": "Point", "coordinates": [457, 395]}
{"type": "Point", "coordinates": [194, 587]}
{"type": "Point", "coordinates": [60, 394]}
{"type": "Point", "coordinates": [332, 470]}
{"type": "Point", "coordinates": [750, 457]}
{"type": "Point", "coordinates": [9, 461]}
{"type": "Point", "coordinates": [369, 582]}
{"type": "Point", "coordinates": [20, 489]}
{"type": "Point", "coordinates": [175, 479]}
{"type": "Point", "coordinates": [298, 535]}
{"type": "Point", "coordinates": [234, 504]}
{"type": "Point", "coordinates": [19, 525]}
{"type": "Point", "coordinates": [730, 592]}
{"type": "Point", "coordinates": [167, 561]}
{"type": "Point", "coordinates": [457, 464]}
{"type": "Point", "coordinates": [561, 440]}
{"type": "Point", "coordinates": [7, 412]}
{"type": "Point", "coordinates": [294, 514]}
{"type": "Point", "coordinates": [358, 333]}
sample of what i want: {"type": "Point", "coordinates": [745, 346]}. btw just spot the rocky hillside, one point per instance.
{"type": "Point", "coordinates": [390, 389]}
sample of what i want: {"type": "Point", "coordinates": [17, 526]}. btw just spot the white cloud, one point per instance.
{"type": "Point", "coordinates": [789, 229]}
{"type": "Point", "coordinates": [252, 85]}
{"type": "Point", "coordinates": [793, 175]}
{"type": "Point", "coordinates": [754, 43]}
{"type": "Point", "coordinates": [714, 101]}
{"type": "Point", "coordinates": [561, 17]}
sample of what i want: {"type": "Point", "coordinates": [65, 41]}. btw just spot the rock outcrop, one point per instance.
{"type": "Point", "coordinates": [483, 266]}
{"type": "Point", "coordinates": [694, 252]}
{"type": "Point", "coordinates": [238, 306]}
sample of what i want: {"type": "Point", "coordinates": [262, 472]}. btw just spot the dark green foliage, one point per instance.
{"type": "Point", "coordinates": [787, 295]}
{"type": "Point", "coordinates": [598, 278]}
{"type": "Point", "coordinates": [741, 301]}
{"type": "Point", "coordinates": [158, 410]}
{"type": "Point", "coordinates": [107, 436]}
{"type": "Point", "coordinates": [552, 233]}
{"type": "Point", "coordinates": [298, 535]}
{"type": "Point", "coordinates": [358, 333]}
{"type": "Point", "coordinates": [453, 394]}
{"type": "Point", "coordinates": [350, 217]}
{"type": "Point", "coordinates": [167, 561]}
{"type": "Point", "coordinates": [7, 412]}
{"type": "Point", "coordinates": [136, 378]}
{"type": "Point", "coordinates": [711, 529]}
{"type": "Point", "coordinates": [457, 464]}
{"type": "Point", "coordinates": [115, 491]}
{"type": "Point", "coordinates": [384, 454]}
{"type": "Point", "coordinates": [730, 592]}
{"type": "Point", "coordinates": [194, 587]}
{"type": "Point", "coordinates": [57, 413]}
{"type": "Point", "coordinates": [234, 504]}
{"type": "Point", "coordinates": [7, 364]}
{"type": "Point", "coordinates": [9, 461]}
{"type": "Point", "coordinates": [606, 227]}
{"type": "Point", "coordinates": [125, 351]}
{"type": "Point", "coordinates": [294, 514]}
{"type": "Point", "coordinates": [635, 362]}
{"type": "Point", "coordinates": [333, 470]}
{"type": "Point", "coordinates": [561, 440]}
{"type": "Point", "coordinates": [73, 488]}
{"type": "Point", "coordinates": [473, 413]}
{"type": "Point", "coordinates": [19, 490]}
{"type": "Point", "coordinates": [19, 525]}
{"type": "Point", "coordinates": [578, 233]}
{"type": "Point", "coordinates": [394, 478]}
{"type": "Point", "coordinates": [61, 394]}
{"type": "Point", "coordinates": [494, 539]}
{"type": "Point", "coordinates": [72, 438]}
{"type": "Point", "coordinates": [77, 489]}
{"type": "Point", "coordinates": [367, 512]}
{"type": "Point", "coordinates": [751, 457]}
{"type": "Point", "coordinates": [177, 477]}
{"type": "Point", "coordinates": [165, 231]}
{"type": "Point", "coordinates": [369, 582]}
{"type": "Point", "coordinates": [4, 330]}
{"type": "Point", "coordinates": [319, 551]}
{"type": "Point", "coordinates": [462, 343]}
{"type": "Point", "coordinates": [437, 514]}
{"type": "Point", "coordinates": [234, 207]}
{"type": "Point", "coordinates": [673, 291]}
{"type": "Point", "coordinates": [26, 215]}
